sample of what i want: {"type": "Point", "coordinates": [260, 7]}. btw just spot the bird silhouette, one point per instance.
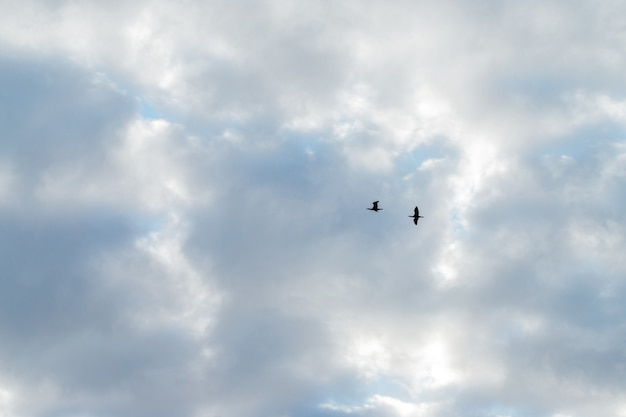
{"type": "Point", "coordinates": [416, 216]}
{"type": "Point", "coordinates": [374, 206]}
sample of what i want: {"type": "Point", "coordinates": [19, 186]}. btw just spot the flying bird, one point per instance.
{"type": "Point", "coordinates": [416, 216]}
{"type": "Point", "coordinates": [374, 206]}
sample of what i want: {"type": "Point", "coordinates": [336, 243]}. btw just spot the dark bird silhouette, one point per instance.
{"type": "Point", "coordinates": [416, 216]}
{"type": "Point", "coordinates": [374, 206]}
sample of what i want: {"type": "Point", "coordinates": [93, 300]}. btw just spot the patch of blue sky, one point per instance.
{"type": "Point", "coordinates": [147, 224]}
{"type": "Point", "coordinates": [539, 84]}
{"type": "Point", "coordinates": [458, 224]}
{"type": "Point", "coordinates": [389, 388]}
{"type": "Point", "coordinates": [360, 392]}
{"type": "Point", "coordinates": [585, 141]}
{"type": "Point", "coordinates": [147, 110]}
{"type": "Point", "coordinates": [534, 89]}
{"type": "Point", "coordinates": [309, 143]}
{"type": "Point", "coordinates": [410, 162]}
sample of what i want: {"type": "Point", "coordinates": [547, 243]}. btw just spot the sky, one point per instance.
{"type": "Point", "coordinates": [183, 194]}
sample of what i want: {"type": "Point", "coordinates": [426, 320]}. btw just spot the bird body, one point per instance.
{"type": "Point", "coordinates": [374, 206]}
{"type": "Point", "coordinates": [416, 216]}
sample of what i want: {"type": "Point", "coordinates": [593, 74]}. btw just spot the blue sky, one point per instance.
{"type": "Point", "coordinates": [183, 189]}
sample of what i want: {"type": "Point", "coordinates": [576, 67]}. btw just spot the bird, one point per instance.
{"type": "Point", "coordinates": [416, 216]}
{"type": "Point", "coordinates": [374, 206]}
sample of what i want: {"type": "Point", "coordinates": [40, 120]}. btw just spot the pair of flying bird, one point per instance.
{"type": "Point", "coordinates": [416, 215]}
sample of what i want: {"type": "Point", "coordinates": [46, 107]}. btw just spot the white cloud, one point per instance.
{"type": "Point", "coordinates": [184, 187]}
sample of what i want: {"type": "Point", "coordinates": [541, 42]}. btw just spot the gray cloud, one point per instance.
{"type": "Point", "coordinates": [216, 257]}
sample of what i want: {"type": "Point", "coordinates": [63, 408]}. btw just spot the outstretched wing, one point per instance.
{"type": "Point", "coordinates": [375, 205]}
{"type": "Point", "coordinates": [417, 213]}
{"type": "Point", "coordinates": [415, 220]}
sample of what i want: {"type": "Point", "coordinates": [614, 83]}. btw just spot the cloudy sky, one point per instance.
{"type": "Point", "coordinates": [183, 194]}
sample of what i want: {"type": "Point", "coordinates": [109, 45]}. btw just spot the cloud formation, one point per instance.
{"type": "Point", "coordinates": [182, 209]}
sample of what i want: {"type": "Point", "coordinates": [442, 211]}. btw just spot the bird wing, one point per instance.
{"type": "Point", "coordinates": [415, 220]}
{"type": "Point", "coordinates": [417, 212]}
{"type": "Point", "coordinates": [375, 203]}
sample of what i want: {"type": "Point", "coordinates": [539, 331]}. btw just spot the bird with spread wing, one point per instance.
{"type": "Point", "coordinates": [374, 206]}
{"type": "Point", "coordinates": [416, 216]}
